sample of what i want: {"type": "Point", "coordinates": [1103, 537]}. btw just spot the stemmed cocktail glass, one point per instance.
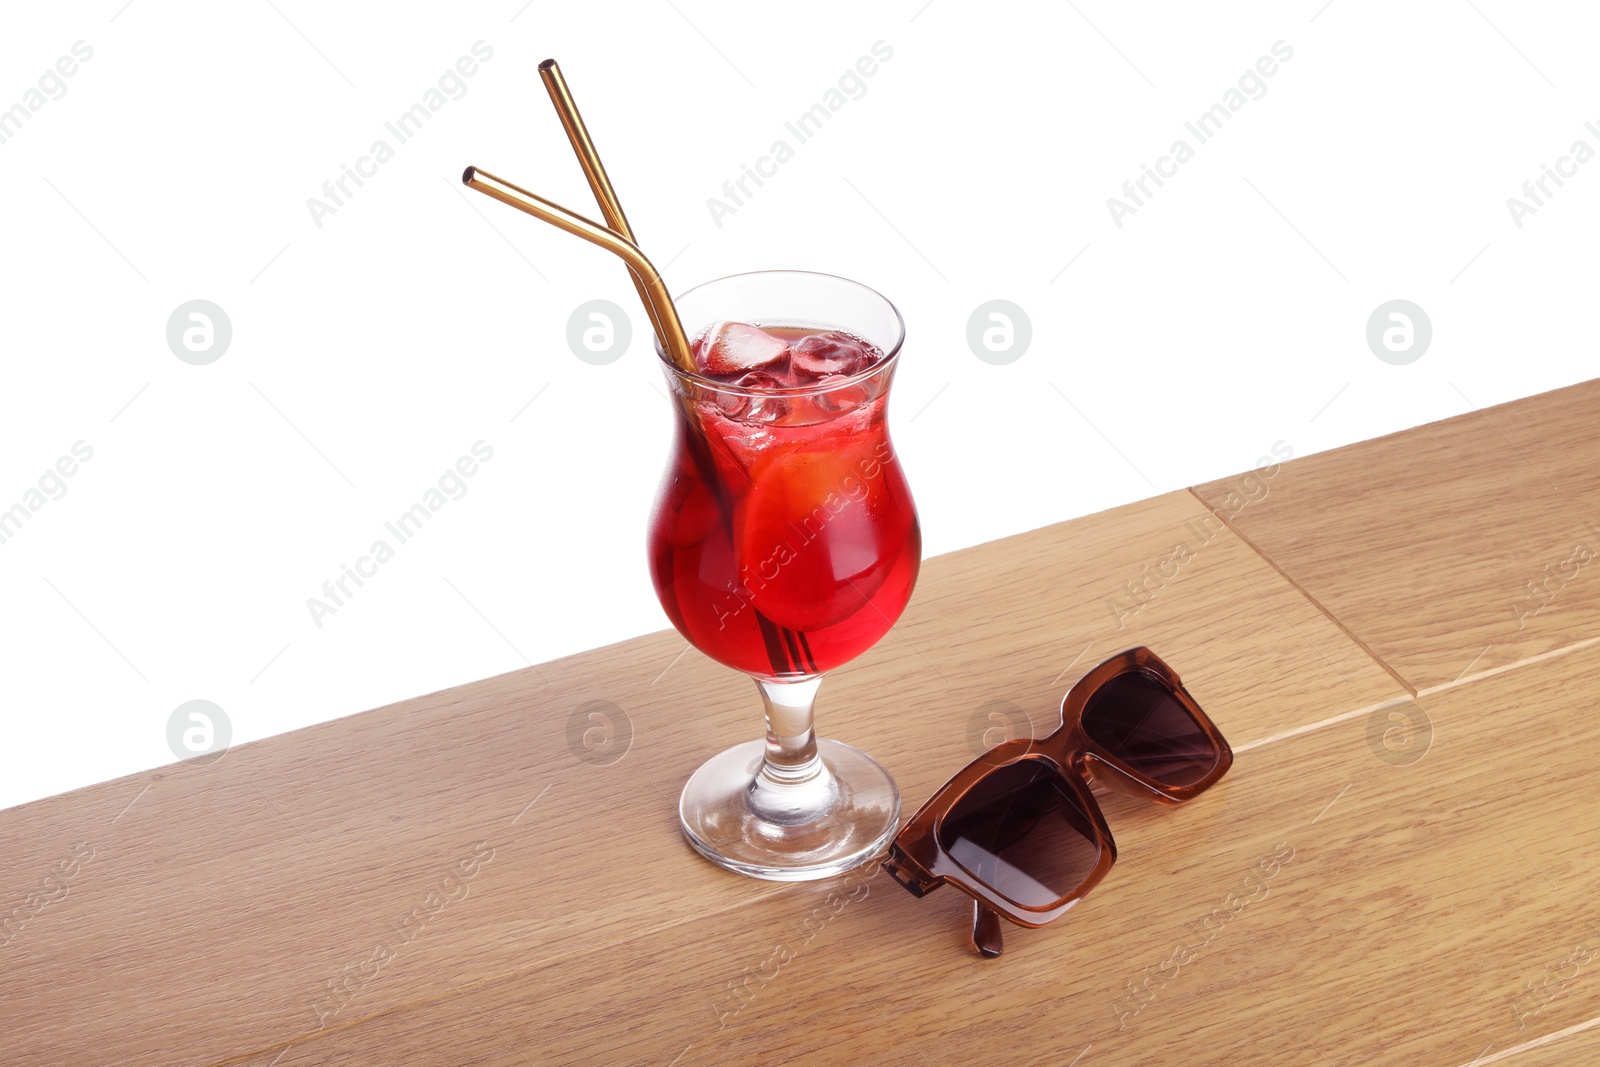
{"type": "Point", "coordinates": [785, 543]}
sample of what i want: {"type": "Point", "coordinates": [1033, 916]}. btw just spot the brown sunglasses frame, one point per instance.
{"type": "Point", "coordinates": [919, 862]}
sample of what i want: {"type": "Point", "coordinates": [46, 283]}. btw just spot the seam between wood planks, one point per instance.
{"type": "Point", "coordinates": [1269, 561]}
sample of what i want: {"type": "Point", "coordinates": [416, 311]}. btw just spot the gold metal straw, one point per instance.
{"type": "Point", "coordinates": [617, 237]}
{"type": "Point", "coordinates": [655, 290]}
{"type": "Point", "coordinates": [595, 172]}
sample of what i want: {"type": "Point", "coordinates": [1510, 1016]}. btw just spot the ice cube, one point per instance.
{"type": "Point", "coordinates": [838, 398]}
{"type": "Point", "coordinates": [744, 407]}
{"type": "Point", "coordinates": [737, 347]}
{"type": "Point", "coordinates": [831, 352]}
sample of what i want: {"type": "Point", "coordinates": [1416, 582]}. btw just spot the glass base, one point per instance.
{"type": "Point", "coordinates": [828, 819]}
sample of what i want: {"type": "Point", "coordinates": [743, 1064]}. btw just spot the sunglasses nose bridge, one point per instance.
{"type": "Point", "coordinates": [1074, 751]}
{"type": "Point", "coordinates": [1107, 771]}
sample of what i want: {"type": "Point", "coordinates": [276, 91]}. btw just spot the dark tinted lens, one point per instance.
{"type": "Point", "coordinates": [1137, 719]}
{"type": "Point", "coordinates": [1020, 832]}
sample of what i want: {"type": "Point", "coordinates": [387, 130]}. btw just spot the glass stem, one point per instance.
{"type": "Point", "coordinates": [793, 782]}
{"type": "Point", "coordinates": [791, 737]}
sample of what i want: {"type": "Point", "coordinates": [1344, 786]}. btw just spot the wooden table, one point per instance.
{"type": "Point", "coordinates": [1400, 638]}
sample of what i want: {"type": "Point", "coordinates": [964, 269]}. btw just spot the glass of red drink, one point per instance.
{"type": "Point", "coordinates": [784, 543]}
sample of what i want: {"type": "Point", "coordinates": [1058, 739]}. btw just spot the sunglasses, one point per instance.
{"type": "Point", "coordinates": [1019, 831]}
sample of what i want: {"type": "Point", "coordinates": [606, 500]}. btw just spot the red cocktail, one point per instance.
{"type": "Point", "coordinates": [784, 543]}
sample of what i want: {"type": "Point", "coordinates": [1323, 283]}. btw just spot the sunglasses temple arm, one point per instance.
{"type": "Point", "coordinates": [986, 936]}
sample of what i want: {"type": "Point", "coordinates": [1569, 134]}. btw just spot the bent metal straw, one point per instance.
{"type": "Point", "coordinates": [617, 237]}
{"type": "Point", "coordinates": [657, 301]}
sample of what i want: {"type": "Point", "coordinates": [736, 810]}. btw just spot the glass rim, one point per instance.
{"type": "Point", "coordinates": [888, 360]}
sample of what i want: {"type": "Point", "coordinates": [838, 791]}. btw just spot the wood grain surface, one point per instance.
{"type": "Point", "coordinates": [1580, 1047]}
{"type": "Point", "coordinates": [1450, 550]}
{"type": "Point", "coordinates": [1332, 901]}
{"type": "Point", "coordinates": [493, 874]}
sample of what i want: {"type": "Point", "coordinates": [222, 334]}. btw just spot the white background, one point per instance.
{"type": "Point", "coordinates": [1227, 314]}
